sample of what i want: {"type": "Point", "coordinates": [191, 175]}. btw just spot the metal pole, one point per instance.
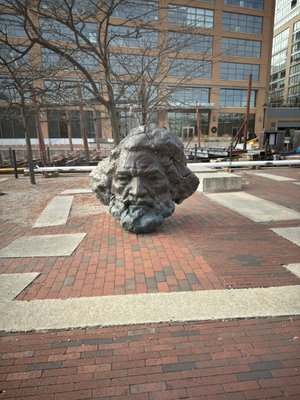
{"type": "Point", "coordinates": [198, 126]}
{"type": "Point", "coordinates": [48, 154]}
{"type": "Point", "coordinates": [192, 166]}
{"type": "Point", "coordinates": [15, 163]}
{"type": "Point", "coordinates": [247, 112]}
{"type": "Point", "coordinates": [11, 157]}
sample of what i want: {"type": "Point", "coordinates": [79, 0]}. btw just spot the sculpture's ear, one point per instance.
{"type": "Point", "coordinates": [183, 181]}
{"type": "Point", "coordinates": [100, 180]}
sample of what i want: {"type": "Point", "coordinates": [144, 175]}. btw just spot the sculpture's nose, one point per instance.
{"type": "Point", "coordinates": [137, 187]}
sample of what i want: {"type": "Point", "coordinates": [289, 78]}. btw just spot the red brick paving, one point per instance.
{"type": "Point", "coordinates": [243, 359]}
{"type": "Point", "coordinates": [202, 246]}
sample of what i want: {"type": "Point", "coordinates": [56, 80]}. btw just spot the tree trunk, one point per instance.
{"type": "Point", "coordinates": [113, 116]}
{"type": "Point", "coordinates": [144, 117]}
{"type": "Point", "coordinates": [28, 148]}
{"type": "Point", "coordinates": [97, 129]}
{"type": "Point", "coordinates": [82, 125]}
{"type": "Point", "coordinates": [69, 131]}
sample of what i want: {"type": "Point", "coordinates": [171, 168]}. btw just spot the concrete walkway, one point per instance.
{"type": "Point", "coordinates": [149, 308]}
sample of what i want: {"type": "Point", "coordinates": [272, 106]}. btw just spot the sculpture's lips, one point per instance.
{"type": "Point", "coordinates": [138, 203]}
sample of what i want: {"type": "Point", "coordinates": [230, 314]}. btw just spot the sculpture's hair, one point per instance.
{"type": "Point", "coordinates": [170, 153]}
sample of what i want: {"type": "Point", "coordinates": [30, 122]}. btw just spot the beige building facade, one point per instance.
{"type": "Point", "coordinates": [227, 41]}
{"type": "Point", "coordinates": [283, 111]}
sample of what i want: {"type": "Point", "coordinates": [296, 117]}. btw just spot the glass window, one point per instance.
{"type": "Point", "coordinates": [277, 97]}
{"type": "Point", "coordinates": [86, 30]}
{"type": "Point", "coordinates": [236, 98]}
{"type": "Point", "coordinates": [77, 6]}
{"type": "Point", "coordinates": [239, 71]}
{"type": "Point", "coordinates": [179, 121]}
{"type": "Point", "coordinates": [296, 26]}
{"type": "Point", "coordinates": [12, 25]}
{"type": "Point", "coordinates": [188, 96]}
{"type": "Point", "coordinates": [128, 93]}
{"type": "Point", "coordinates": [16, 56]}
{"type": "Point", "coordinates": [66, 91]}
{"type": "Point", "coordinates": [235, 22]}
{"type": "Point", "coordinates": [87, 60]}
{"type": "Point", "coordinates": [184, 67]}
{"type": "Point", "coordinates": [53, 61]}
{"type": "Point", "coordinates": [295, 69]}
{"type": "Point", "coordinates": [133, 64]}
{"type": "Point", "coordinates": [8, 90]}
{"type": "Point", "coordinates": [294, 95]}
{"type": "Point", "coordinates": [55, 30]}
{"type": "Point", "coordinates": [230, 123]}
{"type": "Point", "coordinates": [190, 42]}
{"type": "Point", "coordinates": [136, 9]}
{"type": "Point", "coordinates": [295, 58]}
{"type": "Point", "coordinates": [278, 61]}
{"type": "Point", "coordinates": [58, 120]}
{"type": "Point", "coordinates": [246, 3]}
{"type": "Point", "coordinates": [285, 11]}
{"type": "Point", "coordinates": [198, 17]}
{"type": "Point", "coordinates": [74, 119]}
{"type": "Point", "coordinates": [241, 48]}
{"type": "Point", "coordinates": [126, 36]}
{"type": "Point", "coordinates": [11, 126]}
{"type": "Point", "coordinates": [280, 41]}
{"type": "Point", "coordinates": [11, 90]}
{"type": "Point", "coordinates": [296, 48]}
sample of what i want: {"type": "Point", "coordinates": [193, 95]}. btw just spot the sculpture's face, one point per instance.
{"type": "Point", "coordinates": [141, 192]}
{"type": "Point", "coordinates": [143, 178]}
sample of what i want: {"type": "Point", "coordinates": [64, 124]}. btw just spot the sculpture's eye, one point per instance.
{"type": "Point", "coordinates": [122, 180]}
{"type": "Point", "coordinates": [156, 179]}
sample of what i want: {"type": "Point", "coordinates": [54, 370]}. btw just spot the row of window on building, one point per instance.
{"type": "Point", "coordinates": [196, 17]}
{"type": "Point", "coordinates": [279, 64]}
{"type": "Point", "coordinates": [58, 120]}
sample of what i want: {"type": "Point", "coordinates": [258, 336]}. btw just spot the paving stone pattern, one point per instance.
{"type": "Point", "coordinates": [234, 360]}
{"type": "Point", "coordinates": [202, 246]}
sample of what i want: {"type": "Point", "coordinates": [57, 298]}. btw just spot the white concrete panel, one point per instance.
{"type": "Point", "coordinates": [294, 268]}
{"type": "Point", "coordinates": [254, 208]}
{"type": "Point", "coordinates": [56, 212]}
{"type": "Point", "coordinates": [13, 284]}
{"type": "Point", "coordinates": [77, 191]}
{"type": "Point", "coordinates": [292, 234]}
{"type": "Point", "coordinates": [43, 246]}
{"type": "Point", "coordinates": [273, 177]}
{"type": "Point", "coordinates": [149, 308]}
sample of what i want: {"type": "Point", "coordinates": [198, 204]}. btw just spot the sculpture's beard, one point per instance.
{"type": "Point", "coordinates": [141, 218]}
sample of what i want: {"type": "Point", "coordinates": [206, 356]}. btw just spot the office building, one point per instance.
{"type": "Point", "coordinates": [227, 41]}
{"type": "Point", "coordinates": [283, 111]}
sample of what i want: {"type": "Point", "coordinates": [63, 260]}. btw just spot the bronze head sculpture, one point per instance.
{"type": "Point", "coordinates": [143, 177]}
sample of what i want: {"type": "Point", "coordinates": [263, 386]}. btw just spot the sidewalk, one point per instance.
{"type": "Point", "coordinates": [204, 247]}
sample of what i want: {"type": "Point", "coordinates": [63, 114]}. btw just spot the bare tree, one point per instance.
{"type": "Point", "coordinates": [16, 88]}
{"type": "Point", "coordinates": [118, 50]}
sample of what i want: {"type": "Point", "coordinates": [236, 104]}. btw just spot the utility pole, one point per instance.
{"type": "Point", "coordinates": [246, 128]}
